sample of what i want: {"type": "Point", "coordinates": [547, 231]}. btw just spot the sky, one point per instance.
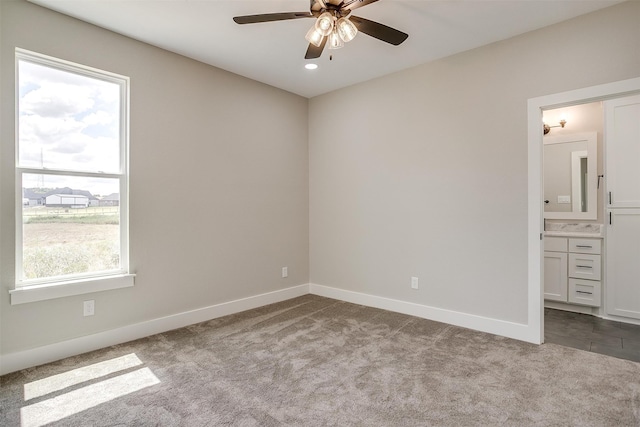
{"type": "Point", "coordinates": [68, 121]}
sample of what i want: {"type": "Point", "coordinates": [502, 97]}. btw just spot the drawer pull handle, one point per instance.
{"type": "Point", "coordinates": [584, 292]}
{"type": "Point", "coordinates": [584, 246]}
{"type": "Point", "coordinates": [584, 266]}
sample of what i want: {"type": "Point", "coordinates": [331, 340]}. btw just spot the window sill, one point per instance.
{"type": "Point", "coordinates": [70, 288]}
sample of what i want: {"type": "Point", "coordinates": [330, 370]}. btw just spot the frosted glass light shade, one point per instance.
{"type": "Point", "coordinates": [335, 42]}
{"type": "Point", "coordinates": [324, 24]}
{"type": "Point", "coordinates": [314, 37]}
{"type": "Point", "coordinates": [346, 29]}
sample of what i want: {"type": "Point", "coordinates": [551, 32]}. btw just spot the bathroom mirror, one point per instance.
{"type": "Point", "coordinates": [570, 176]}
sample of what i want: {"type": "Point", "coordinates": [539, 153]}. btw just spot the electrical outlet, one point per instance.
{"type": "Point", "coordinates": [89, 308]}
{"type": "Point", "coordinates": [414, 283]}
{"type": "Point", "coordinates": [285, 271]}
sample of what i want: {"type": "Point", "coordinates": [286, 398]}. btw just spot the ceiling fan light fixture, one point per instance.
{"type": "Point", "coordinates": [346, 29]}
{"type": "Point", "coordinates": [324, 24]}
{"type": "Point", "coordinates": [314, 36]}
{"type": "Point", "coordinates": [333, 24]}
{"type": "Point", "coordinates": [335, 41]}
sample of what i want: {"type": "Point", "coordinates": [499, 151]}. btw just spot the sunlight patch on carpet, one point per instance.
{"type": "Point", "coordinates": [87, 373]}
{"type": "Point", "coordinates": [73, 402]}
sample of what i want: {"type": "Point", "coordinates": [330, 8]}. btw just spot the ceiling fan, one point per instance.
{"type": "Point", "coordinates": [334, 24]}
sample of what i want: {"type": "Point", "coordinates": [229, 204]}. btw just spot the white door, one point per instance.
{"type": "Point", "coordinates": [622, 294]}
{"type": "Point", "coordinates": [555, 276]}
{"type": "Point", "coordinates": [622, 142]}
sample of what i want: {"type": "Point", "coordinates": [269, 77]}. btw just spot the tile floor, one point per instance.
{"type": "Point", "coordinates": [591, 333]}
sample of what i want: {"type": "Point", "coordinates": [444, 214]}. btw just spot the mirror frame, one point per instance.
{"type": "Point", "coordinates": [592, 177]}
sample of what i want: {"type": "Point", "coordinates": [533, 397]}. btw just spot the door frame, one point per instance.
{"type": "Point", "coordinates": [536, 106]}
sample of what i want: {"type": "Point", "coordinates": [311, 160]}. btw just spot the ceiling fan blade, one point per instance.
{"type": "Point", "coordinates": [316, 6]}
{"type": "Point", "coordinates": [315, 52]}
{"type": "Point", "coordinates": [269, 17]}
{"type": "Point", "coordinates": [379, 31]}
{"type": "Point", "coordinates": [354, 4]}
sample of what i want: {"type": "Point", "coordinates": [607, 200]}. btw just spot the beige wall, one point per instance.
{"type": "Point", "coordinates": [428, 176]}
{"type": "Point", "coordinates": [219, 182]}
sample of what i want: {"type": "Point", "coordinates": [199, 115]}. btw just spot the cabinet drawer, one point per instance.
{"type": "Point", "coordinates": [555, 244]}
{"type": "Point", "coordinates": [584, 266]}
{"type": "Point", "coordinates": [585, 292]}
{"type": "Point", "coordinates": [585, 246]}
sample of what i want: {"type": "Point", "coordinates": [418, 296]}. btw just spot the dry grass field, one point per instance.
{"type": "Point", "coordinates": [50, 234]}
{"type": "Point", "coordinates": [57, 243]}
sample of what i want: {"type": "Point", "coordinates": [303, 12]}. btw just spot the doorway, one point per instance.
{"type": "Point", "coordinates": [536, 107]}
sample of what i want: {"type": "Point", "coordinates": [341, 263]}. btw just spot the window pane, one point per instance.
{"type": "Point", "coordinates": [67, 121]}
{"type": "Point", "coordinates": [70, 225]}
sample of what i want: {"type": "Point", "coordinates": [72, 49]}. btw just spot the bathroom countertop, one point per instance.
{"type": "Point", "coordinates": [572, 234]}
{"type": "Point", "coordinates": [590, 230]}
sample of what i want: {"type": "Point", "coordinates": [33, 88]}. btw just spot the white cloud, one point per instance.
{"type": "Point", "coordinates": [67, 121]}
{"type": "Point", "coordinates": [69, 147]}
{"type": "Point", "coordinates": [47, 130]}
{"type": "Point", "coordinates": [99, 118]}
{"type": "Point", "coordinates": [57, 100]}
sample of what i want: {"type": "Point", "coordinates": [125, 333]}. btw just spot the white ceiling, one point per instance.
{"type": "Point", "coordinates": [273, 52]}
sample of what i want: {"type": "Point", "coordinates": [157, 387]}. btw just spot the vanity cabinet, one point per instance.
{"type": "Point", "coordinates": [573, 270]}
{"type": "Point", "coordinates": [555, 269]}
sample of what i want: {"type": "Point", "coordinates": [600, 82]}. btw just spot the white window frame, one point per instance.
{"type": "Point", "coordinates": [30, 290]}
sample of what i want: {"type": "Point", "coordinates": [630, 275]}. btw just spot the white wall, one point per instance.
{"type": "Point", "coordinates": [428, 175]}
{"type": "Point", "coordinates": [236, 146]}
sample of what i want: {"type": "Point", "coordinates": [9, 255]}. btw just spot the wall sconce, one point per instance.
{"type": "Point", "coordinates": [547, 128]}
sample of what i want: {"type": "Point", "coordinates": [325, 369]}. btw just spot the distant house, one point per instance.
{"type": "Point", "coordinates": [110, 200]}
{"type": "Point", "coordinates": [40, 198]}
{"type": "Point", "coordinates": [67, 201]}
{"type": "Point", "coordinates": [92, 200]}
{"type": "Point", "coordinates": [33, 198]}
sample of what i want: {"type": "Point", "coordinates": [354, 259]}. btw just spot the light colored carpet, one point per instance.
{"type": "Point", "coordinates": [313, 361]}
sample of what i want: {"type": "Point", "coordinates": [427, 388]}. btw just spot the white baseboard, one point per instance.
{"type": "Point", "coordinates": [37, 356]}
{"type": "Point", "coordinates": [513, 330]}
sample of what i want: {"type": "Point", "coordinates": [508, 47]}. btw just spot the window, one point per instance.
{"type": "Point", "coordinates": [71, 179]}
